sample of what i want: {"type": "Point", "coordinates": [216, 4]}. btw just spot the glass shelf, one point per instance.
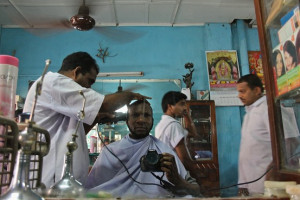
{"type": "Point", "coordinates": [293, 95]}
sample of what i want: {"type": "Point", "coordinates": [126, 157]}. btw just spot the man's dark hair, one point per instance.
{"type": "Point", "coordinates": [82, 59]}
{"type": "Point", "coordinates": [253, 81]}
{"type": "Point", "coordinates": [298, 46]}
{"type": "Point", "coordinates": [171, 97]}
{"type": "Point", "coordinates": [274, 60]}
{"type": "Point", "coordinates": [291, 49]}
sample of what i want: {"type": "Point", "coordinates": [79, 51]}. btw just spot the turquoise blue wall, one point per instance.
{"type": "Point", "coordinates": [160, 52]}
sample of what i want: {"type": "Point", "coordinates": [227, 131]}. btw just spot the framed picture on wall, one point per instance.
{"type": "Point", "coordinates": [255, 64]}
{"type": "Point", "coordinates": [223, 69]}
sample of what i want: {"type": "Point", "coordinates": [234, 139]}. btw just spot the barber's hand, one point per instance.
{"type": "Point", "coordinates": [181, 186]}
{"type": "Point", "coordinates": [137, 96]}
{"type": "Point", "coordinates": [103, 117]}
{"type": "Point", "coordinates": [168, 165]}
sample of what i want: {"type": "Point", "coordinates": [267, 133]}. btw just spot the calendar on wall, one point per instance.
{"type": "Point", "coordinates": [223, 72]}
{"type": "Point", "coordinates": [225, 98]}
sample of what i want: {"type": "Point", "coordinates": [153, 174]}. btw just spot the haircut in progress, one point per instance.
{"type": "Point", "coordinates": [135, 158]}
{"type": "Point", "coordinates": [57, 109]}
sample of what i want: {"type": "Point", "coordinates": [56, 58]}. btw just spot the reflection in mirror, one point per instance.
{"type": "Point", "coordinates": [154, 88]}
{"type": "Point", "coordinates": [290, 138]}
{"type": "Point", "coordinates": [201, 145]}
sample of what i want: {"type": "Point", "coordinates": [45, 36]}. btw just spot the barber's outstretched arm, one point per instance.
{"type": "Point", "coordinates": [181, 186]}
{"type": "Point", "coordinates": [99, 117]}
{"type": "Point", "coordinates": [115, 101]}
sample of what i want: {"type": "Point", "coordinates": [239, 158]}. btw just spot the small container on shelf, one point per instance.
{"type": "Point", "coordinates": [277, 188]}
{"type": "Point", "coordinates": [293, 191]}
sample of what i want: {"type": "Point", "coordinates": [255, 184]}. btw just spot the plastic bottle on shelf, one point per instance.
{"type": "Point", "coordinates": [8, 84]}
{"type": "Point", "coordinates": [93, 144]}
{"type": "Point", "coordinates": [277, 188]}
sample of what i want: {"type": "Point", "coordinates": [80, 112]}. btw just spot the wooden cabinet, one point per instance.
{"type": "Point", "coordinates": [278, 24]}
{"type": "Point", "coordinates": [202, 148]}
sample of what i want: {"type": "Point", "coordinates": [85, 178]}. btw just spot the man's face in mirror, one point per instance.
{"type": "Point", "coordinates": [140, 120]}
{"type": "Point", "coordinates": [247, 95]}
{"type": "Point", "coordinates": [179, 109]}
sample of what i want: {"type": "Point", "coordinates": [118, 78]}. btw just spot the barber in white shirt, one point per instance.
{"type": "Point", "coordinates": [57, 107]}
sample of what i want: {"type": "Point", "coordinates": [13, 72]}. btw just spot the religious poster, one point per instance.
{"type": "Point", "coordinates": [255, 64]}
{"type": "Point", "coordinates": [223, 69]}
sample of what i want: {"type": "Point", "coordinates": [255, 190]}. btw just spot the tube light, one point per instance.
{"type": "Point", "coordinates": [117, 74]}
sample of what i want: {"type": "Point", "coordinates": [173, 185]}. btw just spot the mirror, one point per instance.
{"type": "Point", "coordinates": [284, 94]}
{"type": "Point", "coordinates": [289, 136]}
{"type": "Point", "coordinates": [154, 88]}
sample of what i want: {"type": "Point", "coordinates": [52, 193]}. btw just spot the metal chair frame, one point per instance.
{"type": "Point", "coordinates": [8, 150]}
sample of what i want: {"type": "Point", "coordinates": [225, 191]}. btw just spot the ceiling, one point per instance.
{"type": "Point", "coordinates": [56, 13]}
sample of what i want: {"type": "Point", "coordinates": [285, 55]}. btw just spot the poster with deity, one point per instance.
{"type": "Point", "coordinates": [223, 69]}
{"type": "Point", "coordinates": [255, 64]}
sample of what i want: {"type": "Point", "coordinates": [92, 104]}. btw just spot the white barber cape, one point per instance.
{"type": "Point", "coordinates": [109, 175]}
{"type": "Point", "coordinates": [56, 110]}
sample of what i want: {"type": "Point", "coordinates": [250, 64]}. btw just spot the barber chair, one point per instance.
{"type": "Point", "coordinates": [8, 151]}
{"type": "Point", "coordinates": [21, 168]}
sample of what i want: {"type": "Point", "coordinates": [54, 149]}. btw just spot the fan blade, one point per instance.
{"type": "Point", "coordinates": [51, 29]}
{"type": "Point", "coordinates": [66, 24]}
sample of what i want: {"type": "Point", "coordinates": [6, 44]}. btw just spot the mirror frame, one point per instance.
{"type": "Point", "coordinates": [277, 173]}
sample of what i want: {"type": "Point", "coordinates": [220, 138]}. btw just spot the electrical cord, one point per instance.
{"type": "Point", "coordinates": [269, 169]}
{"type": "Point", "coordinates": [222, 188]}
{"type": "Point", "coordinates": [130, 176]}
{"type": "Point", "coordinates": [166, 185]}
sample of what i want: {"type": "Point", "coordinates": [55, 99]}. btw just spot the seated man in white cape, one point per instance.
{"type": "Point", "coordinates": [109, 173]}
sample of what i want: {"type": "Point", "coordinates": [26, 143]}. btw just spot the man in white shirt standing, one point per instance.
{"type": "Point", "coordinates": [169, 129]}
{"type": "Point", "coordinates": [255, 148]}
{"type": "Point", "coordinates": [57, 108]}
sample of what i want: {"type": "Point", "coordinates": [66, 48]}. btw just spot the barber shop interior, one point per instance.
{"type": "Point", "coordinates": [149, 99]}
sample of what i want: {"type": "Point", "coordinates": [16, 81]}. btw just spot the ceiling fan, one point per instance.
{"type": "Point", "coordinates": [120, 88]}
{"type": "Point", "coordinates": [130, 88]}
{"type": "Point", "coordinates": [82, 21]}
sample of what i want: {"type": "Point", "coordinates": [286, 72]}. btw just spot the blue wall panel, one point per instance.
{"type": "Point", "coordinates": [220, 37]}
